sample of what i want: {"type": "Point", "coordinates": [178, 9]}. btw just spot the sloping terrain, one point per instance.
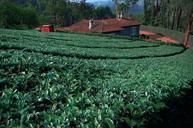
{"type": "Point", "coordinates": [174, 35]}
{"type": "Point", "coordinates": [77, 80]}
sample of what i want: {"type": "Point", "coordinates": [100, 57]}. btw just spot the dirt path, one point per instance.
{"type": "Point", "coordinates": [155, 36]}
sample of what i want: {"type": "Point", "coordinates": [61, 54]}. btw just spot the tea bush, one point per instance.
{"type": "Point", "coordinates": [83, 81]}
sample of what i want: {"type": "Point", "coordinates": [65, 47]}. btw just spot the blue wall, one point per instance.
{"type": "Point", "coordinates": [130, 31]}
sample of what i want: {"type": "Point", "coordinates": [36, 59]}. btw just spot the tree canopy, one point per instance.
{"type": "Point", "coordinates": [30, 13]}
{"type": "Point", "coordinates": [122, 6]}
{"type": "Point", "coordinates": [172, 14]}
{"type": "Point", "coordinates": [12, 16]}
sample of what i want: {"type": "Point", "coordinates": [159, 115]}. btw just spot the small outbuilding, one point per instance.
{"type": "Point", "coordinates": [127, 27]}
{"type": "Point", "coordinates": [45, 28]}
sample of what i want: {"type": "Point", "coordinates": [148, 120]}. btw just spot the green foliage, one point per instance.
{"type": "Point", "coordinates": [63, 13]}
{"type": "Point", "coordinates": [28, 14]}
{"type": "Point", "coordinates": [139, 17]}
{"type": "Point", "coordinates": [122, 6]}
{"type": "Point", "coordinates": [109, 123]}
{"type": "Point", "coordinates": [102, 13]}
{"type": "Point", "coordinates": [43, 86]}
{"type": "Point", "coordinates": [14, 16]}
{"type": "Point", "coordinates": [169, 14]}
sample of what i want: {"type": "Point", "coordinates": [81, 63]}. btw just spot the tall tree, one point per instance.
{"type": "Point", "coordinates": [102, 13]}
{"type": "Point", "coordinates": [116, 2]}
{"type": "Point", "coordinates": [122, 6]}
{"type": "Point", "coordinates": [17, 17]}
{"type": "Point", "coordinates": [167, 13]}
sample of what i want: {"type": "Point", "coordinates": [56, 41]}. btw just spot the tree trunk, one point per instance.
{"type": "Point", "coordinates": [178, 18]}
{"type": "Point", "coordinates": [55, 15]}
{"type": "Point", "coordinates": [116, 12]}
{"type": "Point", "coordinates": [145, 11]}
{"type": "Point", "coordinates": [168, 20]}
{"type": "Point", "coordinates": [173, 19]}
{"type": "Point", "coordinates": [187, 33]}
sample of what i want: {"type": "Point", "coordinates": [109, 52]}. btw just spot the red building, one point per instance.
{"type": "Point", "coordinates": [129, 27]}
{"type": "Point", "coordinates": [45, 28]}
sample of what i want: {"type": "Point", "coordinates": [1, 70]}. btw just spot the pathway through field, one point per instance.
{"type": "Point", "coordinates": [156, 36]}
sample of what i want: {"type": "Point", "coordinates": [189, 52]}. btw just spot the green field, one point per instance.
{"type": "Point", "coordinates": [87, 81]}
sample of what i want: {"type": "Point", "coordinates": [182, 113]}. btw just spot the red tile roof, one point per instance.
{"type": "Point", "coordinates": [105, 25]}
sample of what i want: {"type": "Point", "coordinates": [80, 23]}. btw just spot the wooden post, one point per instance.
{"type": "Point", "coordinates": [102, 26]}
{"type": "Point", "coordinates": [188, 30]}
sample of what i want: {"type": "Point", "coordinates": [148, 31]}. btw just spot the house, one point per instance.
{"type": "Point", "coordinates": [127, 27]}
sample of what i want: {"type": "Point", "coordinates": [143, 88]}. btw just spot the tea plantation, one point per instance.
{"type": "Point", "coordinates": [87, 81]}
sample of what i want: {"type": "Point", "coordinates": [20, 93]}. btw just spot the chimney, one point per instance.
{"type": "Point", "coordinates": [121, 15]}
{"type": "Point", "coordinates": [118, 16]}
{"type": "Point", "coordinates": [91, 24]}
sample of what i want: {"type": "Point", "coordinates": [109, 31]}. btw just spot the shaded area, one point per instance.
{"type": "Point", "coordinates": [61, 38]}
{"type": "Point", "coordinates": [45, 68]}
{"type": "Point", "coordinates": [46, 37]}
{"type": "Point", "coordinates": [179, 113]}
{"type": "Point", "coordinates": [109, 47]}
{"type": "Point", "coordinates": [79, 56]}
{"type": "Point", "coordinates": [31, 37]}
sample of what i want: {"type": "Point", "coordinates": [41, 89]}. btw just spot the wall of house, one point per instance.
{"type": "Point", "coordinates": [134, 31]}
{"type": "Point", "coordinates": [130, 31]}
{"type": "Point", "coordinates": [124, 32]}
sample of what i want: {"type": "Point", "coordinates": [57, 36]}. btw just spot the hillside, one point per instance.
{"type": "Point", "coordinates": [78, 80]}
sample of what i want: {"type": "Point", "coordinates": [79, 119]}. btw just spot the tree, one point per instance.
{"type": "Point", "coordinates": [55, 12]}
{"type": "Point", "coordinates": [102, 13]}
{"type": "Point", "coordinates": [14, 16]}
{"type": "Point", "coordinates": [171, 14]}
{"type": "Point", "coordinates": [122, 6]}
